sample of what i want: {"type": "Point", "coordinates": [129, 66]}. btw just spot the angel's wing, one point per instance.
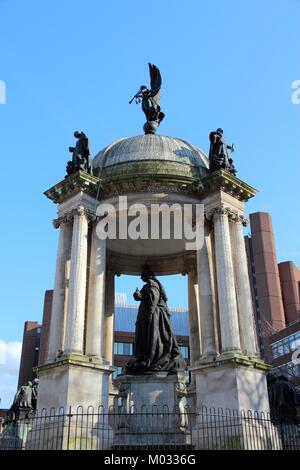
{"type": "Point", "coordinates": [155, 82]}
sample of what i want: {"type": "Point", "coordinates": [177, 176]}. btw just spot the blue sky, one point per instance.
{"type": "Point", "coordinates": [71, 65]}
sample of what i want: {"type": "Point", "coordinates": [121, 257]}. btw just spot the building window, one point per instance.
{"type": "Point", "coordinates": [123, 349]}
{"type": "Point", "coordinates": [116, 372]}
{"type": "Point", "coordinates": [187, 376]}
{"type": "Point", "coordinates": [184, 351]}
{"type": "Point", "coordinates": [290, 369]}
{"type": "Point", "coordinates": [286, 345]}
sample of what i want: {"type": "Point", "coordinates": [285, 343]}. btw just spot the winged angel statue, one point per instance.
{"type": "Point", "coordinates": [151, 101]}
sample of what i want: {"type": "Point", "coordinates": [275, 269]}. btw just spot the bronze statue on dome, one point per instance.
{"type": "Point", "coordinates": [218, 155]}
{"type": "Point", "coordinates": [81, 155]}
{"type": "Point", "coordinates": [151, 101]}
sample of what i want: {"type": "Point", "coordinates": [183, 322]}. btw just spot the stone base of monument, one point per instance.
{"type": "Point", "coordinates": [233, 432]}
{"type": "Point", "coordinates": [227, 387]}
{"type": "Point", "coordinates": [150, 412]}
{"type": "Point", "coordinates": [73, 381]}
{"type": "Point", "coordinates": [72, 405]}
{"type": "Point", "coordinates": [14, 435]}
{"type": "Point", "coordinates": [232, 381]}
{"type": "Point", "coordinates": [77, 432]}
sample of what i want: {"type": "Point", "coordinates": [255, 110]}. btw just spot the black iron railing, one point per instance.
{"type": "Point", "coordinates": [128, 428]}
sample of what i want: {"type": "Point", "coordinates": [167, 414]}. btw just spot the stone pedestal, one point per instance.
{"type": "Point", "coordinates": [73, 381]}
{"type": "Point", "coordinates": [72, 405]}
{"type": "Point", "coordinates": [150, 411]}
{"type": "Point", "coordinates": [143, 392]}
{"type": "Point", "coordinates": [232, 381]}
{"type": "Point", "coordinates": [14, 434]}
{"type": "Point", "coordinates": [230, 389]}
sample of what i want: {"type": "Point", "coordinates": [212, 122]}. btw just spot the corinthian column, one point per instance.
{"type": "Point", "coordinates": [109, 317]}
{"type": "Point", "coordinates": [77, 284]}
{"type": "Point", "coordinates": [96, 299]}
{"type": "Point", "coordinates": [194, 318]}
{"type": "Point", "coordinates": [229, 325]}
{"type": "Point", "coordinates": [244, 299]}
{"type": "Point", "coordinates": [58, 304]}
{"type": "Point", "coordinates": [206, 297]}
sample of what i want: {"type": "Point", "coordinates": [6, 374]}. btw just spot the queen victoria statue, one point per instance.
{"type": "Point", "coordinates": [156, 347]}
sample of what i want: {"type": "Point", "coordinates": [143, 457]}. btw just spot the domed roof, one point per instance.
{"type": "Point", "coordinates": [150, 154]}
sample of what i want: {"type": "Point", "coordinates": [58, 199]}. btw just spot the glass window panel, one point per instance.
{"type": "Point", "coordinates": [123, 349]}
{"type": "Point", "coordinates": [127, 349]}
{"type": "Point", "coordinates": [275, 352]}
{"type": "Point", "coordinates": [184, 351]}
{"type": "Point", "coordinates": [280, 350]}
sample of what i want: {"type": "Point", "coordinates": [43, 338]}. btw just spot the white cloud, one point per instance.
{"type": "Point", "coordinates": [10, 353]}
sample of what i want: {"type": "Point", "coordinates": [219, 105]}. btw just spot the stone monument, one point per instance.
{"type": "Point", "coordinates": [156, 171]}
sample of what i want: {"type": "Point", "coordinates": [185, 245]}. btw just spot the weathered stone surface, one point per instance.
{"type": "Point", "coordinates": [73, 380]}
{"type": "Point", "coordinates": [234, 382]}
{"type": "Point", "coordinates": [79, 182]}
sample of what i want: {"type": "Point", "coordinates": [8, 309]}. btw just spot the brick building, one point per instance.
{"type": "Point", "coordinates": [35, 341]}
{"type": "Point", "coordinates": [276, 293]}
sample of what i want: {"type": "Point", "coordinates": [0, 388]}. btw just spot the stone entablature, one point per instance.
{"type": "Point", "coordinates": [224, 181]}
{"type": "Point", "coordinates": [77, 182]}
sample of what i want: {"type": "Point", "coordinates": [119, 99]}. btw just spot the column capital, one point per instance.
{"type": "Point", "coordinates": [243, 220]}
{"type": "Point", "coordinates": [238, 218]}
{"type": "Point", "coordinates": [69, 215]}
{"type": "Point", "coordinates": [227, 211]}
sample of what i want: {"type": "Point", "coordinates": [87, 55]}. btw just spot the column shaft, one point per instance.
{"type": "Point", "coordinates": [109, 317]}
{"type": "Point", "coordinates": [56, 332]}
{"type": "Point", "coordinates": [244, 298]}
{"type": "Point", "coordinates": [96, 299]}
{"type": "Point", "coordinates": [77, 286]}
{"type": "Point", "coordinates": [226, 287]}
{"type": "Point", "coordinates": [206, 297]}
{"type": "Point", "coordinates": [194, 318]}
